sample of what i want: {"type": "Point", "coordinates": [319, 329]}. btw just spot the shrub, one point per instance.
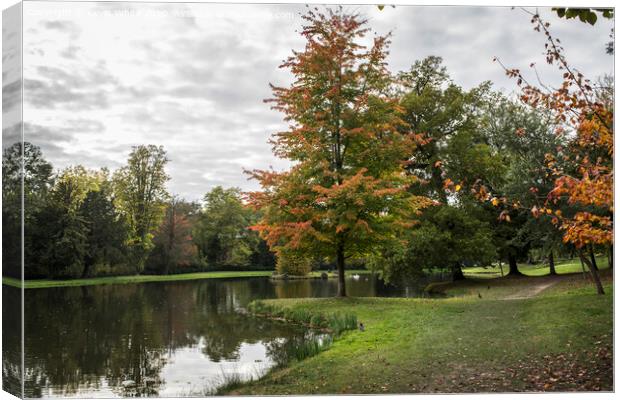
{"type": "Point", "coordinates": [293, 264]}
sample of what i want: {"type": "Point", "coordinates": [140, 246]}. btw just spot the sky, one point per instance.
{"type": "Point", "coordinates": [100, 78]}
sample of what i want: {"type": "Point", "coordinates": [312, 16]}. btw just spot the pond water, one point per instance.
{"type": "Point", "coordinates": [172, 339]}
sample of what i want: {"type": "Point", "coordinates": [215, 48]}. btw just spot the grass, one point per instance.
{"type": "Point", "coordinates": [334, 322]}
{"type": "Point", "coordinates": [459, 344]}
{"type": "Point", "coordinates": [47, 283]}
{"type": "Point", "coordinates": [113, 280]}
{"type": "Point", "coordinates": [561, 267]}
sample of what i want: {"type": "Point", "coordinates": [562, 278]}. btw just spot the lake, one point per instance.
{"type": "Point", "coordinates": [172, 339]}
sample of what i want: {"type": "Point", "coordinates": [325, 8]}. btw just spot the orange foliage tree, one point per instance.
{"type": "Point", "coordinates": [346, 193]}
{"type": "Point", "coordinates": [582, 170]}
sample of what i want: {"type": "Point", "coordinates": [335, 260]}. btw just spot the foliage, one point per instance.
{"type": "Point", "coordinates": [447, 118]}
{"type": "Point", "coordinates": [446, 238]}
{"type": "Point", "coordinates": [222, 232]}
{"type": "Point", "coordinates": [106, 231]}
{"type": "Point", "coordinates": [174, 244]}
{"type": "Point", "coordinates": [583, 171]}
{"type": "Point", "coordinates": [140, 195]}
{"type": "Point", "coordinates": [347, 190]}
{"type": "Point", "coordinates": [37, 179]}
{"type": "Point", "coordinates": [584, 14]}
{"type": "Point", "coordinates": [292, 263]}
{"type": "Point", "coordinates": [77, 227]}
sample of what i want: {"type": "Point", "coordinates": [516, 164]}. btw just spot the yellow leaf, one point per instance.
{"type": "Point", "coordinates": [494, 201]}
{"type": "Point", "coordinates": [457, 187]}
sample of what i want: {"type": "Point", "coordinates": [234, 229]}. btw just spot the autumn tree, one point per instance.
{"type": "Point", "coordinates": [174, 245]}
{"type": "Point", "coordinates": [140, 194]}
{"type": "Point", "coordinates": [583, 171]}
{"type": "Point", "coordinates": [346, 192]}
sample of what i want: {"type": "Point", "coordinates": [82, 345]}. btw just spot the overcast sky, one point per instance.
{"type": "Point", "coordinates": [100, 78]}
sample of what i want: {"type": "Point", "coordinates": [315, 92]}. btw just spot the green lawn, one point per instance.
{"type": "Point", "coordinates": [45, 283]}
{"type": "Point", "coordinates": [561, 267]}
{"type": "Point", "coordinates": [559, 340]}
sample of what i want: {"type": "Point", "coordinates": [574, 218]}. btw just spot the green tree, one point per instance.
{"type": "Point", "coordinates": [519, 138]}
{"type": "Point", "coordinates": [60, 244]}
{"type": "Point", "coordinates": [447, 238]}
{"type": "Point", "coordinates": [37, 179]}
{"type": "Point", "coordinates": [107, 231]}
{"type": "Point", "coordinates": [222, 233]}
{"type": "Point", "coordinates": [447, 117]}
{"type": "Point", "coordinates": [347, 191]}
{"type": "Point", "coordinates": [140, 195]}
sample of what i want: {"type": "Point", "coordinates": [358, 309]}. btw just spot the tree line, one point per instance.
{"type": "Point", "coordinates": [80, 222]}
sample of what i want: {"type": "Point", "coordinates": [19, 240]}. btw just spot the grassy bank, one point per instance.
{"type": "Point", "coordinates": [560, 339]}
{"type": "Point", "coordinates": [562, 267]}
{"type": "Point", "coordinates": [334, 322]}
{"type": "Point", "coordinates": [46, 283]}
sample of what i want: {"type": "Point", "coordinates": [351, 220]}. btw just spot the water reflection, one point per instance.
{"type": "Point", "coordinates": [160, 339]}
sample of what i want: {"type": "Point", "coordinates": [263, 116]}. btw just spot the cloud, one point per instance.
{"type": "Point", "coordinates": [11, 135]}
{"type": "Point", "coordinates": [73, 90]}
{"type": "Point", "coordinates": [69, 27]}
{"type": "Point", "coordinates": [70, 52]}
{"type": "Point", "coordinates": [11, 95]}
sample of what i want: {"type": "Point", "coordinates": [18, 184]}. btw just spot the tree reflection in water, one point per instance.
{"type": "Point", "coordinates": [167, 338]}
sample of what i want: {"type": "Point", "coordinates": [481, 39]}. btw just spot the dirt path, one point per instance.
{"type": "Point", "coordinates": [531, 290]}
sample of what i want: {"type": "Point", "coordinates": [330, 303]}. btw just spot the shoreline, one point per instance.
{"type": "Point", "coordinates": [121, 280]}
{"type": "Point", "coordinates": [128, 279]}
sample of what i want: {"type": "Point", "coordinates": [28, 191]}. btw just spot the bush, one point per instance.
{"type": "Point", "coordinates": [293, 264]}
{"type": "Point", "coordinates": [105, 269]}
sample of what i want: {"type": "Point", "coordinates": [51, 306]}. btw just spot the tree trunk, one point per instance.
{"type": "Point", "coordinates": [457, 273]}
{"type": "Point", "coordinates": [514, 270]}
{"type": "Point", "coordinates": [610, 257]}
{"type": "Point", "coordinates": [342, 291]}
{"type": "Point", "coordinates": [85, 270]}
{"type": "Point", "coordinates": [583, 268]}
{"type": "Point", "coordinates": [551, 264]}
{"type": "Point", "coordinates": [593, 258]}
{"type": "Point", "coordinates": [593, 273]}
{"type": "Point", "coordinates": [501, 267]}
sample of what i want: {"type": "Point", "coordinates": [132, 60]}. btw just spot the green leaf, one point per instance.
{"type": "Point", "coordinates": [381, 7]}
{"type": "Point", "coordinates": [591, 17]}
